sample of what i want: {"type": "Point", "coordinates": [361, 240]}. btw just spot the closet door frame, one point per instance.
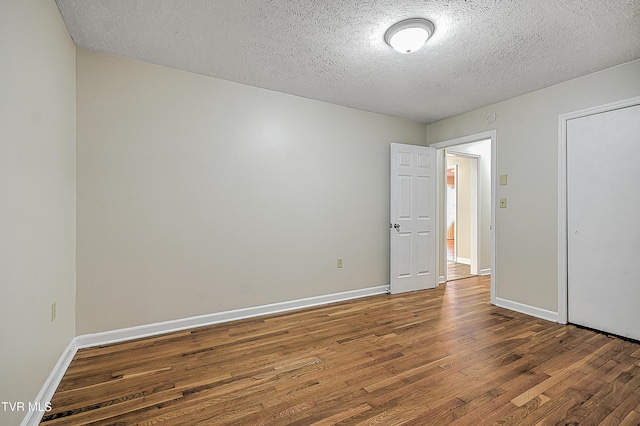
{"type": "Point", "coordinates": [563, 277]}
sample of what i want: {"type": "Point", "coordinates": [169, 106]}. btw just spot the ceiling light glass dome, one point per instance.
{"type": "Point", "coordinates": [409, 35]}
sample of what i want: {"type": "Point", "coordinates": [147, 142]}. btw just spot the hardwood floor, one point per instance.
{"type": "Point", "coordinates": [455, 270]}
{"type": "Point", "coordinates": [436, 357]}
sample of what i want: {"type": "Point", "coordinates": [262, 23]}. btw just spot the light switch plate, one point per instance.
{"type": "Point", "coordinates": [503, 180]}
{"type": "Point", "coordinates": [503, 203]}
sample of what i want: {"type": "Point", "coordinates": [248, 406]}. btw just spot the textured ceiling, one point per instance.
{"type": "Point", "coordinates": [482, 51]}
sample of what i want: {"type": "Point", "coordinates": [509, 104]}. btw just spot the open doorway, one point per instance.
{"type": "Point", "coordinates": [461, 214]}
{"type": "Point", "coordinates": [452, 196]}
{"type": "Point", "coordinates": [480, 146]}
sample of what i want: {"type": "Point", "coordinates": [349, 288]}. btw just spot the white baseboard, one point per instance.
{"type": "Point", "coordinates": [463, 260]}
{"type": "Point", "coordinates": [527, 309]}
{"type": "Point", "coordinates": [33, 418]}
{"type": "Point", "coordinates": [441, 279]}
{"type": "Point", "coordinates": [486, 271]}
{"type": "Point", "coordinates": [130, 333]}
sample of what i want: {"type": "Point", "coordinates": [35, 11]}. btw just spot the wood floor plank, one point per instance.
{"type": "Point", "coordinates": [436, 357]}
{"type": "Point", "coordinates": [632, 419]}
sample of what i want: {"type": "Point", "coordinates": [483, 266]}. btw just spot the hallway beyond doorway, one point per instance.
{"type": "Point", "coordinates": [455, 270]}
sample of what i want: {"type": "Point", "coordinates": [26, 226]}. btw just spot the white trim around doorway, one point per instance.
{"type": "Point", "coordinates": [465, 140]}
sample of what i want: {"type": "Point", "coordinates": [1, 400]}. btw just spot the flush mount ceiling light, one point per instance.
{"type": "Point", "coordinates": [409, 35]}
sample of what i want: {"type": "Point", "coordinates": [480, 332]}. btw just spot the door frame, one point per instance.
{"type": "Point", "coordinates": [441, 174]}
{"type": "Point", "coordinates": [563, 257]}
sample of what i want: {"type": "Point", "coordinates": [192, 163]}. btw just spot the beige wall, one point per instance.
{"type": "Point", "coordinates": [37, 188]}
{"type": "Point", "coordinates": [198, 195]}
{"type": "Point", "coordinates": [527, 150]}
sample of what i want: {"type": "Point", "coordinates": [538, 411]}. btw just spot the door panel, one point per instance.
{"type": "Point", "coordinates": [423, 254]}
{"type": "Point", "coordinates": [404, 244]}
{"type": "Point", "coordinates": [412, 210]}
{"type": "Point", "coordinates": [603, 213]}
{"type": "Point", "coordinates": [406, 197]}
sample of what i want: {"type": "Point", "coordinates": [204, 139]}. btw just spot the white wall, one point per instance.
{"type": "Point", "coordinates": [198, 195]}
{"type": "Point", "coordinates": [527, 150]}
{"type": "Point", "coordinates": [37, 197]}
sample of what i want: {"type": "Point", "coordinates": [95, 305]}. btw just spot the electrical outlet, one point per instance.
{"type": "Point", "coordinates": [503, 203]}
{"type": "Point", "coordinates": [339, 263]}
{"type": "Point", "coordinates": [53, 311]}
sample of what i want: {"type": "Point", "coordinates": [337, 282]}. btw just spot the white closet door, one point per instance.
{"type": "Point", "coordinates": [603, 221]}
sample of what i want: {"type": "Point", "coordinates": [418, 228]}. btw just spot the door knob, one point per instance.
{"type": "Point", "coordinates": [395, 226]}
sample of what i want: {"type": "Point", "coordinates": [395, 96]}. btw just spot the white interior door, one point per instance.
{"type": "Point", "coordinates": [413, 224]}
{"type": "Point", "coordinates": [603, 221]}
